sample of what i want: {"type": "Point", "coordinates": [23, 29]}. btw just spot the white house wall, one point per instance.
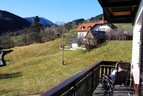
{"type": "Point", "coordinates": [81, 34]}
{"type": "Point", "coordinates": [135, 53]}
{"type": "Point", "coordinates": [102, 28]}
{"type": "Point", "coordinates": [136, 44]}
{"type": "Point", "coordinates": [74, 45]}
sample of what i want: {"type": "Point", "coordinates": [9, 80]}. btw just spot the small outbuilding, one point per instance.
{"type": "Point", "coordinates": [74, 43]}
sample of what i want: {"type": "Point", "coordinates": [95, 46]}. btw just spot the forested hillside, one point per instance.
{"type": "Point", "coordinates": [11, 22]}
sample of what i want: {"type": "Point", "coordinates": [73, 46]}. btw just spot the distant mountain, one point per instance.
{"type": "Point", "coordinates": [96, 18]}
{"type": "Point", "coordinates": [59, 23]}
{"type": "Point", "coordinates": [76, 22]}
{"type": "Point", "coordinates": [43, 21]}
{"type": "Point", "coordinates": [11, 22]}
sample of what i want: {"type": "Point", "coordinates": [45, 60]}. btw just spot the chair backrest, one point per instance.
{"type": "Point", "coordinates": [122, 77]}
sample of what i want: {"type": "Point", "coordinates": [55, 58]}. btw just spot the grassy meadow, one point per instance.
{"type": "Point", "coordinates": [36, 68]}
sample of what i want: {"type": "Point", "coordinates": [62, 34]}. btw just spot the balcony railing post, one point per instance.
{"type": "Point", "coordinates": [92, 81]}
{"type": "Point", "coordinates": [74, 89]}
{"type": "Point", "coordinates": [102, 70]}
{"type": "Point", "coordinates": [106, 69]}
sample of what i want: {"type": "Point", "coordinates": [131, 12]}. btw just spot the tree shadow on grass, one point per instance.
{"type": "Point", "coordinates": [2, 92]}
{"type": "Point", "coordinates": [10, 75]}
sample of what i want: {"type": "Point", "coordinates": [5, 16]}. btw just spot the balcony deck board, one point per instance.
{"type": "Point", "coordinates": [118, 91]}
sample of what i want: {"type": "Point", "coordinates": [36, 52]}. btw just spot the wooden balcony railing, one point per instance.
{"type": "Point", "coordinates": [84, 82]}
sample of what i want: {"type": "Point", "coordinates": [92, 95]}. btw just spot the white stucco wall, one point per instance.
{"type": "Point", "coordinates": [136, 44]}
{"type": "Point", "coordinates": [135, 53]}
{"type": "Point", "coordinates": [81, 34]}
{"type": "Point", "coordinates": [74, 45]}
{"type": "Point", "coordinates": [102, 28]}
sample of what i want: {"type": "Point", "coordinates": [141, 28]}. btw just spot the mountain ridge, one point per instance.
{"type": "Point", "coordinates": [11, 22]}
{"type": "Point", "coordinates": [43, 21]}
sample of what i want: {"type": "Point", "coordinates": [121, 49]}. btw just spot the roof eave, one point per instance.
{"type": "Point", "coordinates": [119, 11]}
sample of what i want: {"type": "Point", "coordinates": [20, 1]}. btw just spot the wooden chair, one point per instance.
{"type": "Point", "coordinates": [121, 78]}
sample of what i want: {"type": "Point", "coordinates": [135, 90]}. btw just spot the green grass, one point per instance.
{"type": "Point", "coordinates": [37, 68]}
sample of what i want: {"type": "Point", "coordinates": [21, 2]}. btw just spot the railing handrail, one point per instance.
{"type": "Point", "coordinates": [69, 82]}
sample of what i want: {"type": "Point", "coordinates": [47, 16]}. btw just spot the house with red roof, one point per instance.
{"type": "Point", "coordinates": [96, 26]}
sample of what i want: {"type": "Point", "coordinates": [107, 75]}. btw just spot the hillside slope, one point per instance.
{"type": "Point", "coordinates": [11, 22]}
{"type": "Point", "coordinates": [36, 68]}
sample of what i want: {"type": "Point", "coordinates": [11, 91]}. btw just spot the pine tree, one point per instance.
{"type": "Point", "coordinates": [36, 25]}
{"type": "Point", "coordinates": [35, 28]}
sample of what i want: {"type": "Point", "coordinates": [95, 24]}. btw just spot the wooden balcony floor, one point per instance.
{"type": "Point", "coordinates": [118, 91]}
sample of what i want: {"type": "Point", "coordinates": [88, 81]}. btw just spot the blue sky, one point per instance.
{"type": "Point", "coordinates": [53, 10]}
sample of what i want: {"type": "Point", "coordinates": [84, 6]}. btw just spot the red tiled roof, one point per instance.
{"type": "Point", "coordinates": [87, 26]}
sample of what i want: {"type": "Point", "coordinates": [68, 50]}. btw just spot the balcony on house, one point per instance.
{"type": "Point", "coordinates": [88, 82]}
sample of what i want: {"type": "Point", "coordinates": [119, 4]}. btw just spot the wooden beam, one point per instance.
{"type": "Point", "coordinates": [118, 3]}
{"type": "Point", "coordinates": [122, 13]}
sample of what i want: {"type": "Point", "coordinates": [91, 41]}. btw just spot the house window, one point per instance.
{"type": "Point", "coordinates": [103, 29]}
{"type": "Point", "coordinates": [80, 34]}
{"type": "Point", "coordinates": [99, 29]}
{"type": "Point", "coordinates": [82, 27]}
{"type": "Point", "coordinates": [89, 27]}
{"type": "Point", "coordinates": [125, 32]}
